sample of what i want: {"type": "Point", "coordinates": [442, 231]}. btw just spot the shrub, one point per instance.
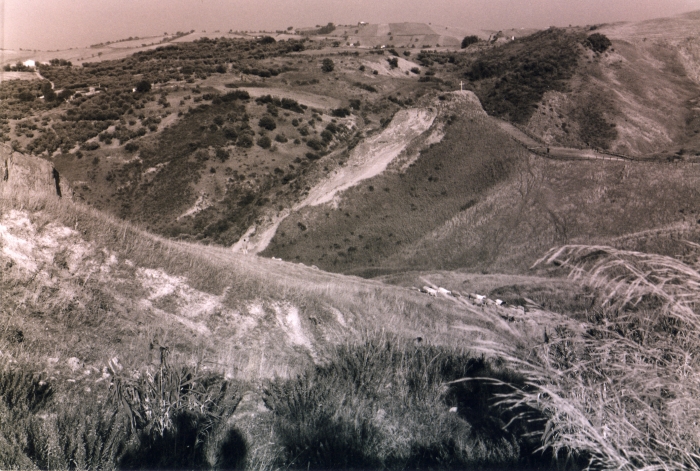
{"type": "Point", "coordinates": [267, 122]}
{"type": "Point", "coordinates": [230, 133]}
{"type": "Point", "coordinates": [131, 147]}
{"type": "Point", "coordinates": [143, 86]}
{"type": "Point", "coordinates": [222, 154]}
{"type": "Point", "coordinates": [469, 40]}
{"type": "Point", "coordinates": [327, 65]}
{"type": "Point", "coordinates": [315, 144]}
{"type": "Point", "coordinates": [341, 112]}
{"type": "Point", "coordinates": [245, 140]}
{"type": "Point", "coordinates": [598, 42]}
{"type": "Point", "coordinates": [264, 142]}
{"type": "Point", "coordinates": [281, 138]}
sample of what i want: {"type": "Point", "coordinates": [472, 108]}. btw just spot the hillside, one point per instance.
{"type": "Point", "coordinates": [302, 250]}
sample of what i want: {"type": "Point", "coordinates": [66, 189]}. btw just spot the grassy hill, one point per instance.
{"type": "Point", "coordinates": [132, 334]}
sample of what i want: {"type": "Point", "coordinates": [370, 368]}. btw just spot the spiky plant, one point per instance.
{"type": "Point", "coordinates": [173, 411]}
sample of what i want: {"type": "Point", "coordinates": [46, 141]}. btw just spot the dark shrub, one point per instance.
{"type": "Point", "coordinates": [90, 146]}
{"type": "Point", "coordinates": [327, 65]}
{"type": "Point", "coordinates": [222, 154]}
{"type": "Point", "coordinates": [469, 40]}
{"type": "Point", "coordinates": [264, 142]}
{"type": "Point", "coordinates": [143, 86]}
{"type": "Point", "coordinates": [341, 112]}
{"type": "Point", "coordinates": [267, 122]}
{"type": "Point", "coordinates": [245, 140]}
{"type": "Point", "coordinates": [598, 42]}
{"type": "Point", "coordinates": [230, 133]}
{"type": "Point", "coordinates": [315, 144]}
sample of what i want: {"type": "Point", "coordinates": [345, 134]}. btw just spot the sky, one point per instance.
{"type": "Point", "coordinates": [62, 24]}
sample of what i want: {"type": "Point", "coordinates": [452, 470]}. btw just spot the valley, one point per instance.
{"type": "Point", "coordinates": [371, 246]}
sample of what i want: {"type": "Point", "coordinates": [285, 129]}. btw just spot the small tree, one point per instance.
{"type": "Point", "coordinates": [469, 40]}
{"type": "Point", "coordinates": [327, 65]}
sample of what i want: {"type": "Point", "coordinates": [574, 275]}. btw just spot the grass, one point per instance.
{"type": "Point", "coordinates": [379, 217]}
{"type": "Point", "coordinates": [623, 387]}
{"type": "Point", "coordinates": [384, 404]}
{"type": "Point", "coordinates": [548, 203]}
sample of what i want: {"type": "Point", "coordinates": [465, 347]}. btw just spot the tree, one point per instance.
{"type": "Point", "coordinates": [329, 28]}
{"type": "Point", "coordinates": [469, 40]}
{"type": "Point", "coordinates": [49, 94]}
{"type": "Point", "coordinates": [327, 65]}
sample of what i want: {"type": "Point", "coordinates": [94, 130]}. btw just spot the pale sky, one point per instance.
{"type": "Point", "coordinates": [61, 24]}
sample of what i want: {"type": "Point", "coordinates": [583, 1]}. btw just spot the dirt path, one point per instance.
{"type": "Point", "coordinates": [564, 153]}
{"type": "Point", "coordinates": [309, 99]}
{"type": "Point", "coordinates": [368, 159]}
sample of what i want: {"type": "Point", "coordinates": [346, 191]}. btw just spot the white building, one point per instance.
{"type": "Point", "coordinates": [29, 63]}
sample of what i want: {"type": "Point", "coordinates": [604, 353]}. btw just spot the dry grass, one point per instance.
{"type": "Point", "coordinates": [622, 387]}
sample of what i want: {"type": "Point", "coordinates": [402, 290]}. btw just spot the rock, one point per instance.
{"type": "Point", "coordinates": [74, 364]}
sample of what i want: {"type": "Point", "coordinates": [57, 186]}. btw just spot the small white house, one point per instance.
{"type": "Point", "coordinates": [29, 63]}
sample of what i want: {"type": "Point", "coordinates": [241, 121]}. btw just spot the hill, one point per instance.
{"type": "Point", "coordinates": [140, 327]}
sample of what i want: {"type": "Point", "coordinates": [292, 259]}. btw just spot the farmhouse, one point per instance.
{"type": "Point", "coordinates": [29, 63]}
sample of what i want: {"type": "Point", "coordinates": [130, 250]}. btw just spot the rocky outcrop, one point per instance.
{"type": "Point", "coordinates": [27, 172]}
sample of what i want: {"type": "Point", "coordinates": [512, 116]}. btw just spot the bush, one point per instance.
{"type": "Point", "coordinates": [88, 146]}
{"type": "Point", "coordinates": [131, 147]}
{"type": "Point", "coordinates": [469, 40]}
{"type": "Point", "coordinates": [267, 122]}
{"type": "Point", "coordinates": [393, 62]}
{"type": "Point", "coordinates": [315, 144]}
{"type": "Point", "coordinates": [222, 154]}
{"type": "Point", "coordinates": [143, 86]}
{"type": "Point", "coordinates": [598, 42]}
{"type": "Point", "coordinates": [327, 65]}
{"type": "Point", "coordinates": [245, 140]}
{"type": "Point", "coordinates": [281, 138]}
{"type": "Point", "coordinates": [264, 142]}
{"type": "Point", "coordinates": [341, 112]}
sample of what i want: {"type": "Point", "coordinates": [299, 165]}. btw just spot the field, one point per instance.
{"type": "Point", "coordinates": [353, 247]}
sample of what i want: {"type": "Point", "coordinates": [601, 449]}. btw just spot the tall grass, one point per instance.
{"type": "Point", "coordinates": [385, 404]}
{"type": "Point", "coordinates": [624, 387]}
